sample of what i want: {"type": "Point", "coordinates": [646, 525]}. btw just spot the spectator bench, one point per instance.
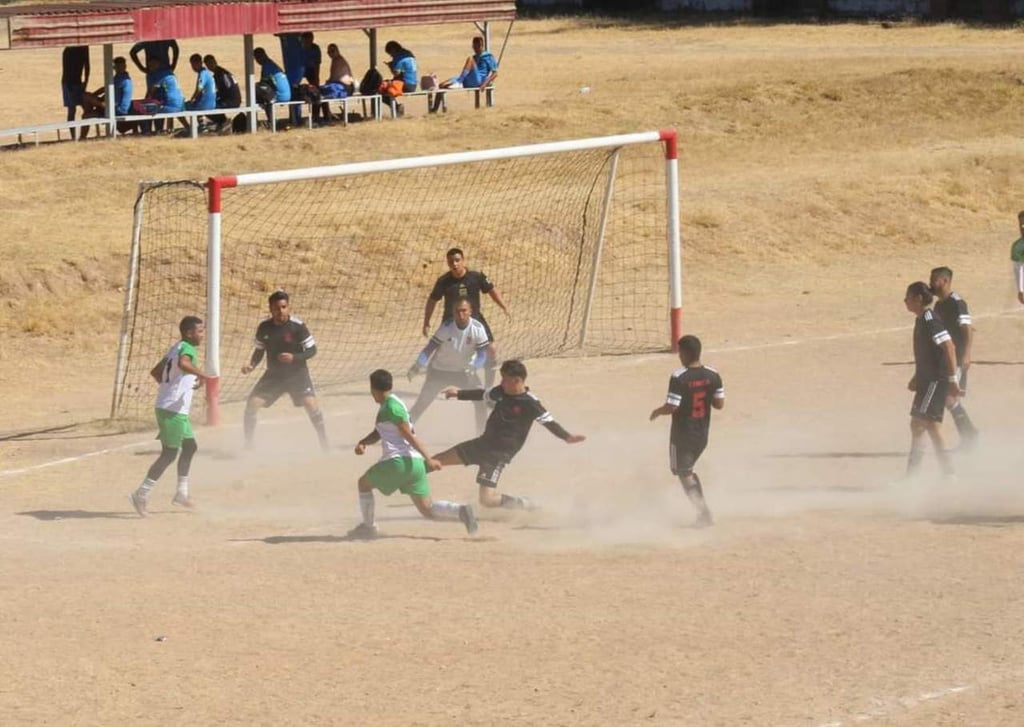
{"type": "Point", "coordinates": [35, 131]}
{"type": "Point", "coordinates": [486, 94]}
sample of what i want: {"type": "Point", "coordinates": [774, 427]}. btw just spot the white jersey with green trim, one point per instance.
{"type": "Point", "coordinates": [393, 412]}
{"type": "Point", "coordinates": [176, 386]}
{"type": "Point", "coordinates": [1017, 256]}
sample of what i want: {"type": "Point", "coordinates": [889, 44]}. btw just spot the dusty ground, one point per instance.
{"type": "Point", "coordinates": [825, 169]}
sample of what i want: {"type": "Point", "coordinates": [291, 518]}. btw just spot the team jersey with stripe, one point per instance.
{"type": "Point", "coordinates": [929, 335]}
{"type": "Point", "coordinates": [457, 347]}
{"type": "Point", "coordinates": [176, 386]}
{"type": "Point", "coordinates": [691, 390]}
{"type": "Point", "coordinates": [510, 421]}
{"type": "Point", "coordinates": [393, 412]}
{"type": "Point", "coordinates": [954, 316]}
{"type": "Point", "coordinates": [291, 337]}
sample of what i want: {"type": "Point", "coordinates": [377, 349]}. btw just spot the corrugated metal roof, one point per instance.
{"type": "Point", "coordinates": [127, 21]}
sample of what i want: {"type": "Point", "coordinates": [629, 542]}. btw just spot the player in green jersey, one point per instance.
{"type": "Point", "coordinates": [403, 465]}
{"type": "Point", "coordinates": [178, 375]}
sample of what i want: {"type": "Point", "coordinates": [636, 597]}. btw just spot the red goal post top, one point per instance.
{"type": "Point", "coordinates": [215, 185]}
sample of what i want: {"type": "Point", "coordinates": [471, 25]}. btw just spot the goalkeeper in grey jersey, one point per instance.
{"type": "Point", "coordinates": [454, 355]}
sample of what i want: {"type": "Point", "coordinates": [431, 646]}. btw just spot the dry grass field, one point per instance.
{"type": "Point", "coordinates": [823, 167]}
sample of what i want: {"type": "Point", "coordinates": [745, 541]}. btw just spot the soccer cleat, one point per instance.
{"type": "Point", "coordinates": [183, 500]}
{"type": "Point", "coordinates": [468, 518]}
{"type": "Point", "coordinates": [139, 503]}
{"type": "Point", "coordinates": [362, 531]}
{"type": "Point", "coordinates": [704, 520]}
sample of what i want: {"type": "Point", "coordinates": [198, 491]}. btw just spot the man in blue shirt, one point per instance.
{"type": "Point", "coordinates": [204, 98]}
{"type": "Point", "coordinates": [479, 71]}
{"type": "Point", "coordinates": [95, 103]}
{"type": "Point", "coordinates": [165, 51]}
{"type": "Point", "coordinates": [273, 86]}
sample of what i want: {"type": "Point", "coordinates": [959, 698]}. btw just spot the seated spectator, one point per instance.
{"type": "Point", "coordinates": [404, 69]}
{"type": "Point", "coordinates": [479, 71]}
{"type": "Point", "coordinates": [273, 86]}
{"type": "Point", "coordinates": [165, 51]}
{"type": "Point", "coordinates": [340, 83]}
{"type": "Point", "coordinates": [204, 98]}
{"type": "Point", "coordinates": [95, 103]}
{"type": "Point", "coordinates": [229, 95]}
{"type": "Point", "coordinates": [163, 94]}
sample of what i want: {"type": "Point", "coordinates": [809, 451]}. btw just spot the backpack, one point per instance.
{"type": "Point", "coordinates": [370, 84]}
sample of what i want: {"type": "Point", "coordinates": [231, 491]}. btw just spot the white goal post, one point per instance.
{"type": "Point", "coordinates": [225, 281]}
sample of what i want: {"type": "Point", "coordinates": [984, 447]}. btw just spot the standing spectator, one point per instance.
{"type": "Point", "coordinates": [934, 378]}
{"type": "Point", "coordinates": [1017, 255]}
{"type": "Point", "coordinates": [312, 58]}
{"type": "Point", "coordinates": [273, 86]}
{"type": "Point", "coordinates": [165, 51]}
{"type": "Point", "coordinates": [95, 103]}
{"type": "Point", "coordinates": [74, 78]}
{"type": "Point", "coordinates": [955, 316]}
{"type": "Point", "coordinates": [479, 71]}
{"type": "Point", "coordinates": [204, 98]}
{"type": "Point", "coordinates": [229, 95]}
{"type": "Point", "coordinates": [403, 68]}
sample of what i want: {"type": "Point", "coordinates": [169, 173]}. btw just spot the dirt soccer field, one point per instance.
{"type": "Point", "coordinates": [824, 168]}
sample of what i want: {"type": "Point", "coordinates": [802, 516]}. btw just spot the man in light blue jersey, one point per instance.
{"type": "Point", "coordinates": [204, 98]}
{"type": "Point", "coordinates": [479, 71]}
{"type": "Point", "coordinates": [178, 374]}
{"type": "Point", "coordinates": [95, 103]}
{"type": "Point", "coordinates": [402, 467]}
{"type": "Point", "coordinates": [273, 86]}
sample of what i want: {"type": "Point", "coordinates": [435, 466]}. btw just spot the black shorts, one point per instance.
{"type": "Point", "coordinates": [271, 386]}
{"type": "Point", "coordinates": [489, 461]}
{"type": "Point", "coordinates": [683, 456]}
{"type": "Point", "coordinates": [929, 400]}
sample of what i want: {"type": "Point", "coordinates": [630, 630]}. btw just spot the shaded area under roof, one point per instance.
{"type": "Point", "coordinates": [130, 21]}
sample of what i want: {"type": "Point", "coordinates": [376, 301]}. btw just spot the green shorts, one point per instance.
{"type": "Point", "coordinates": [408, 475]}
{"type": "Point", "coordinates": [173, 428]}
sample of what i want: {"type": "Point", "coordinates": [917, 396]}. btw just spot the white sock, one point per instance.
{"type": "Point", "coordinates": [366, 503]}
{"type": "Point", "coordinates": [145, 487]}
{"type": "Point", "coordinates": [183, 486]}
{"type": "Point", "coordinates": [444, 510]}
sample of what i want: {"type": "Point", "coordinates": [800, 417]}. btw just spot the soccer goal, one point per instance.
{"type": "Point", "coordinates": [581, 237]}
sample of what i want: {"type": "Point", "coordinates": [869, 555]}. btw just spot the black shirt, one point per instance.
{"type": "Point", "coordinates": [929, 359]}
{"type": "Point", "coordinates": [290, 337]}
{"type": "Point", "coordinates": [73, 61]}
{"type": "Point", "coordinates": [954, 315]}
{"type": "Point", "coordinates": [691, 390]}
{"type": "Point", "coordinates": [510, 421]}
{"type": "Point", "coordinates": [229, 95]}
{"type": "Point", "coordinates": [469, 286]}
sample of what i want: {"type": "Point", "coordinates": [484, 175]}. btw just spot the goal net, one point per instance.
{"type": "Point", "coordinates": [580, 238]}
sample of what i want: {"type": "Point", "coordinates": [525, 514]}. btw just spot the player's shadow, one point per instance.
{"type": "Point", "coordinates": [987, 521]}
{"type": "Point", "coordinates": [836, 455]}
{"type": "Point", "coordinates": [292, 539]}
{"type": "Point", "coordinates": [50, 515]}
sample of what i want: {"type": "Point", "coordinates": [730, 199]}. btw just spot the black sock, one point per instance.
{"type": "Point", "coordinates": [249, 425]}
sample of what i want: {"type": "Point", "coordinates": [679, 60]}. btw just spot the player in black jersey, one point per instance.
{"type": "Point", "coordinates": [288, 345]}
{"type": "Point", "coordinates": [515, 411]}
{"type": "Point", "coordinates": [460, 282]}
{"type": "Point", "coordinates": [952, 310]}
{"type": "Point", "coordinates": [934, 377]}
{"type": "Point", "coordinates": [690, 390]}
